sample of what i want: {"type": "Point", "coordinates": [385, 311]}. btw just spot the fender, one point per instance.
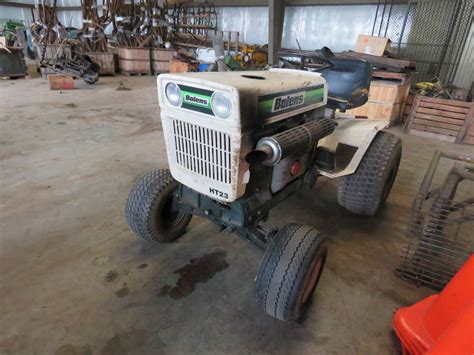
{"type": "Point", "coordinates": [358, 133]}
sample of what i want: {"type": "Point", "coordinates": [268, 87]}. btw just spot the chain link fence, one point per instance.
{"type": "Point", "coordinates": [430, 32]}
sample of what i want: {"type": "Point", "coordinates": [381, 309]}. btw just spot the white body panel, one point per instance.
{"type": "Point", "coordinates": [197, 131]}
{"type": "Point", "coordinates": [355, 132]}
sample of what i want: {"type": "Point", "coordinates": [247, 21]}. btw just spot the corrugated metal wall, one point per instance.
{"type": "Point", "coordinates": [314, 26]}
{"type": "Point", "coordinates": [24, 14]}
{"type": "Point", "coordinates": [251, 22]}
{"type": "Point", "coordinates": [465, 73]}
{"type": "Point", "coordinates": [15, 13]}
{"type": "Point", "coordinates": [336, 27]}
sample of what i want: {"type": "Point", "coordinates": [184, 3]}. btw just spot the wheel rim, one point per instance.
{"type": "Point", "coordinates": [169, 216]}
{"type": "Point", "coordinates": [312, 279]}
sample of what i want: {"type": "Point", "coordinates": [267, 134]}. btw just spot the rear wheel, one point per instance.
{"type": "Point", "coordinates": [149, 210]}
{"type": "Point", "coordinates": [290, 271]}
{"type": "Point", "coordinates": [366, 190]}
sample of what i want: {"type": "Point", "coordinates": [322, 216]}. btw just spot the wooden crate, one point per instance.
{"type": "Point", "coordinates": [386, 101]}
{"type": "Point", "coordinates": [162, 54]}
{"type": "Point", "coordinates": [447, 120]}
{"type": "Point", "coordinates": [400, 77]}
{"type": "Point", "coordinates": [105, 60]}
{"type": "Point", "coordinates": [134, 60]}
{"type": "Point", "coordinates": [378, 110]}
{"type": "Point", "coordinates": [388, 92]}
{"type": "Point", "coordinates": [160, 59]}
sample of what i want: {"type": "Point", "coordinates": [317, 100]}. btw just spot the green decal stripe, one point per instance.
{"type": "Point", "coordinates": [311, 97]}
{"type": "Point", "coordinates": [314, 95]}
{"type": "Point", "coordinates": [194, 90]}
{"type": "Point", "coordinates": [289, 92]}
{"type": "Point", "coordinates": [266, 105]}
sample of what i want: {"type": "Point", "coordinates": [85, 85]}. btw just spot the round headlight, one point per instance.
{"type": "Point", "coordinates": [173, 94]}
{"type": "Point", "coordinates": [221, 105]}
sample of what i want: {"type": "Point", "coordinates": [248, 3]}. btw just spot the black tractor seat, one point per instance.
{"type": "Point", "coordinates": [348, 83]}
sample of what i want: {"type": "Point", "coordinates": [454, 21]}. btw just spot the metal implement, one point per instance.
{"type": "Point", "coordinates": [75, 64]}
{"type": "Point", "coordinates": [192, 23]}
{"type": "Point", "coordinates": [440, 232]}
{"type": "Point", "coordinates": [12, 62]}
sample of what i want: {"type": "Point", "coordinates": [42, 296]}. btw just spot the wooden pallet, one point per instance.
{"type": "Point", "coordinates": [408, 107]}
{"type": "Point", "coordinates": [134, 73]}
{"type": "Point", "coordinates": [446, 120]}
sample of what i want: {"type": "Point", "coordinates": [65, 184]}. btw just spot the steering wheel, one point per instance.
{"type": "Point", "coordinates": [303, 65]}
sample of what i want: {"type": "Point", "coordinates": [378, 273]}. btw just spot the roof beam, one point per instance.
{"type": "Point", "coordinates": [276, 15]}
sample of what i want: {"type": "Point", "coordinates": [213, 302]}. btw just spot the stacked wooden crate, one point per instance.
{"type": "Point", "coordinates": [134, 60]}
{"type": "Point", "coordinates": [390, 80]}
{"type": "Point", "coordinates": [447, 120]}
{"type": "Point", "coordinates": [386, 101]}
{"type": "Point", "coordinates": [160, 59]}
{"type": "Point", "coordinates": [105, 60]}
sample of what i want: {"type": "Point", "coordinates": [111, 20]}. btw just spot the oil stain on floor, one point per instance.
{"type": "Point", "coordinates": [69, 349]}
{"type": "Point", "coordinates": [124, 291]}
{"type": "Point", "coordinates": [198, 270]}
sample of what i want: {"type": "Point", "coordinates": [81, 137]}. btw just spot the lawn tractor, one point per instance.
{"type": "Point", "coordinates": [240, 143]}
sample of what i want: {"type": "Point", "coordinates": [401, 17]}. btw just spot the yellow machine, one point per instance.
{"type": "Point", "coordinates": [252, 56]}
{"type": "Point", "coordinates": [429, 88]}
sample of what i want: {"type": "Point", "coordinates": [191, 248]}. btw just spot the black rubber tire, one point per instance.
{"type": "Point", "coordinates": [148, 210]}
{"type": "Point", "coordinates": [285, 270]}
{"type": "Point", "coordinates": [366, 190]}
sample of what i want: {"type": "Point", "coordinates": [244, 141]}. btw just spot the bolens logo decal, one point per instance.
{"type": "Point", "coordinates": [196, 100]}
{"type": "Point", "coordinates": [288, 101]}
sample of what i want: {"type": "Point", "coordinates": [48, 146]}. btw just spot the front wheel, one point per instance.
{"type": "Point", "coordinates": [290, 271]}
{"type": "Point", "coordinates": [366, 190]}
{"type": "Point", "coordinates": [150, 211]}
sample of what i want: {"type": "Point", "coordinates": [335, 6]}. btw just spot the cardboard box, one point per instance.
{"type": "Point", "coordinates": [179, 66]}
{"type": "Point", "coordinates": [60, 82]}
{"type": "Point", "coordinates": [371, 45]}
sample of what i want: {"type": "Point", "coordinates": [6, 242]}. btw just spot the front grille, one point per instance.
{"type": "Point", "coordinates": [203, 151]}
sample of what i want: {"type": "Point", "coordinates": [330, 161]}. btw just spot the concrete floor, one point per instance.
{"type": "Point", "coordinates": [75, 280]}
